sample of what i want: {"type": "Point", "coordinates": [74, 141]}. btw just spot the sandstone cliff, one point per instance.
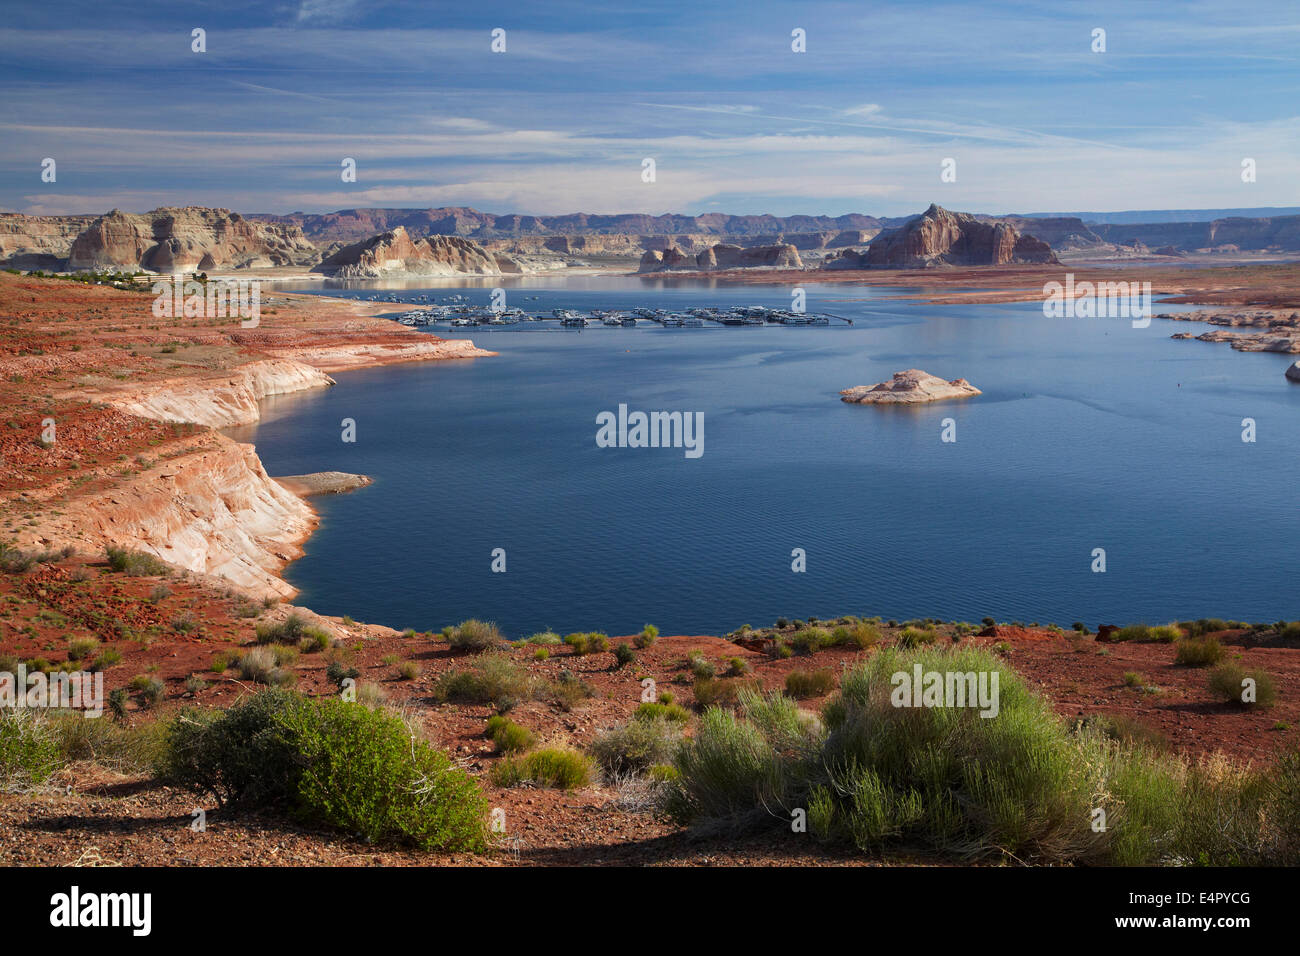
{"type": "Point", "coordinates": [938, 237]}
{"type": "Point", "coordinates": [212, 510]}
{"type": "Point", "coordinates": [187, 239]}
{"type": "Point", "coordinates": [723, 256]}
{"type": "Point", "coordinates": [395, 253]}
{"type": "Point", "coordinates": [38, 242]}
{"type": "Point", "coordinates": [216, 401]}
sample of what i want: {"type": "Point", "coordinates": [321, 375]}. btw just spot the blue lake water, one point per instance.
{"type": "Point", "coordinates": [1089, 434]}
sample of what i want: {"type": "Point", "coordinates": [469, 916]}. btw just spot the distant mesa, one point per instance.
{"type": "Point", "coordinates": [909, 387]}
{"type": "Point", "coordinates": [721, 256]}
{"type": "Point", "coordinates": [394, 253]}
{"type": "Point", "coordinates": [186, 238]}
{"type": "Point", "coordinates": [938, 238]}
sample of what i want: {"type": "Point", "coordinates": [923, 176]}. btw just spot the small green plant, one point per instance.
{"type": "Point", "coordinates": [648, 635]}
{"type": "Point", "coordinates": [553, 767]}
{"type": "Point", "coordinates": [1134, 679]}
{"type": "Point", "coordinates": [508, 736]}
{"type": "Point", "coordinates": [655, 710]}
{"type": "Point", "coordinates": [802, 684]}
{"type": "Point", "coordinates": [136, 563]}
{"type": "Point", "coordinates": [82, 648]}
{"type": "Point", "coordinates": [1199, 652]}
{"type": "Point", "coordinates": [408, 670]}
{"type": "Point", "coordinates": [494, 678]}
{"type": "Point", "coordinates": [288, 631]}
{"type": "Point", "coordinates": [737, 667]}
{"type": "Point", "coordinates": [809, 640]}
{"type": "Point", "coordinates": [1246, 688]}
{"type": "Point", "coordinates": [636, 746]}
{"type": "Point", "coordinates": [913, 637]}
{"type": "Point", "coordinates": [623, 655]}
{"type": "Point", "coordinates": [701, 667]}
{"type": "Point", "coordinates": [475, 636]}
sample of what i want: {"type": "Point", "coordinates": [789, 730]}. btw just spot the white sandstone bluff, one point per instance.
{"type": "Point", "coordinates": [909, 387]}
{"type": "Point", "coordinates": [207, 505]}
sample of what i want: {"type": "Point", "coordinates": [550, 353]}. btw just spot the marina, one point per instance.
{"type": "Point", "coordinates": [457, 313]}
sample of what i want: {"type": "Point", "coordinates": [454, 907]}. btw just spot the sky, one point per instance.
{"type": "Point", "coordinates": [735, 120]}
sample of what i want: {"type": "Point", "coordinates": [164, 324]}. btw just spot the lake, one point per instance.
{"type": "Point", "coordinates": [1090, 434]}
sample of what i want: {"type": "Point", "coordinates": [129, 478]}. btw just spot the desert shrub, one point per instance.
{"type": "Point", "coordinates": [493, 678]}
{"type": "Point", "coordinates": [284, 656]}
{"type": "Point", "coordinates": [289, 631]}
{"type": "Point", "coordinates": [117, 699]}
{"type": "Point", "coordinates": [260, 665]}
{"type": "Point", "coordinates": [655, 710]}
{"type": "Point", "coordinates": [1199, 652]}
{"type": "Point", "coordinates": [82, 648]}
{"type": "Point", "coordinates": [408, 670]}
{"type": "Point", "coordinates": [1290, 631]}
{"type": "Point", "coordinates": [860, 635]}
{"type": "Point", "coordinates": [150, 689]}
{"type": "Point", "coordinates": [810, 640]}
{"type": "Point", "coordinates": [29, 752]}
{"type": "Point", "coordinates": [337, 672]}
{"type": "Point", "coordinates": [1228, 682]}
{"type": "Point", "coordinates": [238, 755]}
{"type": "Point", "coordinates": [1134, 679]}
{"type": "Point", "coordinates": [474, 636]}
{"type": "Point", "coordinates": [727, 772]}
{"type": "Point", "coordinates": [737, 667]}
{"type": "Point", "coordinates": [569, 690]}
{"type": "Point", "coordinates": [508, 736]}
{"type": "Point", "coordinates": [701, 668]}
{"type": "Point", "coordinates": [327, 762]}
{"type": "Point", "coordinates": [545, 638]}
{"type": "Point", "coordinates": [109, 657]}
{"type": "Point", "coordinates": [108, 744]}
{"type": "Point", "coordinates": [911, 637]}
{"type": "Point", "coordinates": [553, 767]}
{"type": "Point", "coordinates": [1021, 784]}
{"type": "Point", "coordinates": [541, 654]}
{"type": "Point", "coordinates": [363, 773]}
{"type": "Point", "coordinates": [648, 635]}
{"type": "Point", "coordinates": [597, 642]}
{"type": "Point", "coordinates": [636, 746]}
{"type": "Point", "coordinates": [136, 563]}
{"type": "Point", "coordinates": [715, 692]}
{"type": "Point", "coordinates": [623, 655]}
{"type": "Point", "coordinates": [194, 683]}
{"type": "Point", "coordinates": [803, 684]}
{"type": "Point", "coordinates": [314, 639]}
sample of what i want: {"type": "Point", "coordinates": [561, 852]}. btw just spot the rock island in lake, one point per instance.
{"type": "Point", "coordinates": [909, 387]}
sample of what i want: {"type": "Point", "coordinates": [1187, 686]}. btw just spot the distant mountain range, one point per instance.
{"type": "Point", "coordinates": [350, 225]}
{"type": "Point", "coordinates": [1164, 215]}
{"type": "Point", "coordinates": [192, 237]}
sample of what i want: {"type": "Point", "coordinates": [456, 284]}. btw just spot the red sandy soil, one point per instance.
{"type": "Point", "coordinates": [132, 820]}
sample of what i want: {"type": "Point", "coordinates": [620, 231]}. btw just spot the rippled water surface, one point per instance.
{"type": "Point", "coordinates": [1089, 434]}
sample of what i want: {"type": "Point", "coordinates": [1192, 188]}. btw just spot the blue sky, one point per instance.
{"type": "Point", "coordinates": [735, 121]}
